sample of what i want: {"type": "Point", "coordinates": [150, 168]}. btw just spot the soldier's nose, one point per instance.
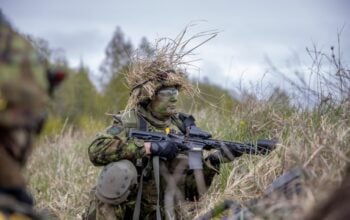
{"type": "Point", "coordinates": [173, 98]}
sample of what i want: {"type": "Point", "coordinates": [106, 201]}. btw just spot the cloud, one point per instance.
{"type": "Point", "coordinates": [251, 30]}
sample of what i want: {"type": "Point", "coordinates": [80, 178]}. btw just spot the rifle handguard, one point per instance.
{"type": "Point", "coordinates": [265, 146]}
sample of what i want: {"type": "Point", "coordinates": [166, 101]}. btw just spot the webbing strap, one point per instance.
{"type": "Point", "coordinates": [156, 177]}
{"type": "Point", "coordinates": [142, 123]}
{"type": "Point", "coordinates": [137, 208]}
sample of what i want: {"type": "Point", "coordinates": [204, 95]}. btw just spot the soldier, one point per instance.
{"type": "Point", "coordinates": [128, 186]}
{"type": "Point", "coordinates": [336, 206]}
{"type": "Point", "coordinates": [24, 92]}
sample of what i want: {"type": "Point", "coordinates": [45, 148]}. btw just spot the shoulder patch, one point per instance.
{"type": "Point", "coordinates": [114, 130]}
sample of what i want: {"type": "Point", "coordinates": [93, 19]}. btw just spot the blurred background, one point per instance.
{"type": "Point", "coordinates": [277, 69]}
{"type": "Point", "coordinates": [257, 42]}
{"type": "Point", "coordinates": [250, 32]}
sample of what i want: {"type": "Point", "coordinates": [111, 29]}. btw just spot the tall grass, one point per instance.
{"type": "Point", "coordinates": [60, 174]}
{"type": "Point", "coordinates": [316, 143]}
{"type": "Point", "coordinates": [315, 139]}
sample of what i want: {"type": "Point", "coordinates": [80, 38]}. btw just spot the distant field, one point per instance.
{"type": "Point", "coordinates": [61, 176]}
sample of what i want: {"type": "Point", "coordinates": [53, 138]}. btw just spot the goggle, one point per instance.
{"type": "Point", "coordinates": [168, 92]}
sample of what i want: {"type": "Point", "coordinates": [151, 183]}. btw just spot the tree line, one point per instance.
{"type": "Point", "coordinates": [78, 102]}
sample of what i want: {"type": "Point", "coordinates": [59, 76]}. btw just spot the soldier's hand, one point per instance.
{"type": "Point", "coordinates": [167, 149]}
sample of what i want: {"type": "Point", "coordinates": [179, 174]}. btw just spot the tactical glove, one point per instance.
{"type": "Point", "coordinates": [167, 149]}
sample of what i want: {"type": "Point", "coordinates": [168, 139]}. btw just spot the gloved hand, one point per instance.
{"type": "Point", "coordinates": [167, 149]}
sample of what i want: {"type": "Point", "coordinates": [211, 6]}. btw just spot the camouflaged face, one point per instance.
{"type": "Point", "coordinates": [23, 80]}
{"type": "Point", "coordinates": [143, 89]}
{"type": "Point", "coordinates": [163, 105]}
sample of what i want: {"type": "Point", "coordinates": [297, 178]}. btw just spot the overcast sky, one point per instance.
{"type": "Point", "coordinates": [250, 31]}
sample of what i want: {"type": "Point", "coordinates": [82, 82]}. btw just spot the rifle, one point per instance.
{"type": "Point", "coordinates": [196, 140]}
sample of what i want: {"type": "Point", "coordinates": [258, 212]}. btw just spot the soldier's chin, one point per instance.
{"type": "Point", "coordinates": [171, 111]}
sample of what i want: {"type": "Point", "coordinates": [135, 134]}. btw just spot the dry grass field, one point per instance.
{"type": "Point", "coordinates": [60, 174]}
{"type": "Point", "coordinates": [314, 138]}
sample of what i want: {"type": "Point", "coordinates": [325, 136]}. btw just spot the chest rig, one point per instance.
{"type": "Point", "coordinates": [143, 165]}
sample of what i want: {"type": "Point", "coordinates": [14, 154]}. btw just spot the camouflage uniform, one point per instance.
{"type": "Point", "coordinates": [154, 82]}
{"type": "Point", "coordinates": [24, 94]}
{"type": "Point", "coordinates": [113, 145]}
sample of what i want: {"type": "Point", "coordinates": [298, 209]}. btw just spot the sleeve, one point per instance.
{"type": "Point", "coordinates": [113, 145]}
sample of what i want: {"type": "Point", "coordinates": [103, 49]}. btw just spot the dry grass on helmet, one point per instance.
{"type": "Point", "coordinates": [166, 66]}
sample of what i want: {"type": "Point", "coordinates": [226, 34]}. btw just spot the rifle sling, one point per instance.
{"type": "Point", "coordinates": [142, 125]}
{"type": "Point", "coordinates": [137, 208]}
{"type": "Point", "coordinates": [155, 161]}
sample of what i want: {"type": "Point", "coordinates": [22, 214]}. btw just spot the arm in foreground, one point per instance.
{"type": "Point", "coordinates": [113, 145]}
{"type": "Point", "coordinates": [198, 140]}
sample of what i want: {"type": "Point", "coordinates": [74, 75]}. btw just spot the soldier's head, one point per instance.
{"type": "Point", "coordinates": [163, 103]}
{"type": "Point", "coordinates": [156, 86]}
{"type": "Point", "coordinates": [155, 79]}
{"type": "Point", "coordinates": [25, 87]}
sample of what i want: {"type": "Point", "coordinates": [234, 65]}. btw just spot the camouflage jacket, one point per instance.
{"type": "Point", "coordinates": [114, 145]}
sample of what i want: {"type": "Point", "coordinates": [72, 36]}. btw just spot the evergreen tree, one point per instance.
{"type": "Point", "coordinates": [77, 97]}
{"type": "Point", "coordinates": [145, 47]}
{"type": "Point", "coordinates": [116, 94]}
{"type": "Point", "coordinates": [118, 54]}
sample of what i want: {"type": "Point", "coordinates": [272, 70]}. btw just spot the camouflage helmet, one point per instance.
{"type": "Point", "coordinates": [24, 81]}
{"type": "Point", "coordinates": [144, 79]}
{"type": "Point", "coordinates": [116, 181]}
{"type": "Point", "coordinates": [164, 66]}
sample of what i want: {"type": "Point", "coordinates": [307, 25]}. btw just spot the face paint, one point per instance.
{"type": "Point", "coordinates": [164, 103]}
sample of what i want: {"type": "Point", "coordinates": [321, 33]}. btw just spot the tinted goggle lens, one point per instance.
{"type": "Point", "coordinates": [168, 92]}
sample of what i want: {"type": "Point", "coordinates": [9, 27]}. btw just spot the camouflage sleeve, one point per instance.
{"type": "Point", "coordinates": [113, 145]}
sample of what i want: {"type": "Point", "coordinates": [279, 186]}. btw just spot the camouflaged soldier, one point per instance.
{"type": "Point", "coordinates": [128, 187]}
{"type": "Point", "coordinates": [24, 93]}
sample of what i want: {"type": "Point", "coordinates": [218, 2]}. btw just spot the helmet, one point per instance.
{"type": "Point", "coordinates": [116, 181]}
{"type": "Point", "coordinates": [146, 75]}
{"type": "Point", "coordinates": [24, 81]}
{"type": "Point", "coordinates": [155, 77]}
{"type": "Point", "coordinates": [163, 67]}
